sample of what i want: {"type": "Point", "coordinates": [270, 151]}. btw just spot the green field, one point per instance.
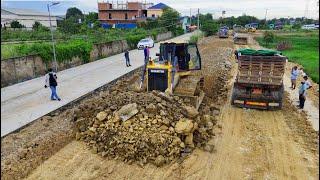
{"type": "Point", "coordinates": [304, 51]}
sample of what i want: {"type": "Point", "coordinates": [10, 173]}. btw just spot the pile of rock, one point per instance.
{"type": "Point", "coordinates": [142, 127]}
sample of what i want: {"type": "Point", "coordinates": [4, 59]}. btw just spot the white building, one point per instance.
{"type": "Point", "coordinates": [26, 17]}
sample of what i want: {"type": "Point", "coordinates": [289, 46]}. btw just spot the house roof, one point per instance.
{"type": "Point", "coordinates": [159, 6]}
{"type": "Point", "coordinates": [25, 12]}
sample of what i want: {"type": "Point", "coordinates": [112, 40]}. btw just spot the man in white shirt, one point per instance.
{"type": "Point", "coordinates": [307, 82]}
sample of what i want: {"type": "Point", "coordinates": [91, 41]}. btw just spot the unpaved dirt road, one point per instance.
{"type": "Point", "coordinates": [249, 144]}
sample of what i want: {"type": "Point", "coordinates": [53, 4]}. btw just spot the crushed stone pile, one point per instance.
{"type": "Point", "coordinates": [143, 127]}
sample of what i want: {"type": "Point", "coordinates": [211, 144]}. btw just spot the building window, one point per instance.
{"type": "Point", "coordinates": [126, 16]}
{"type": "Point", "coordinates": [153, 15]}
{"type": "Point", "coordinates": [110, 17]}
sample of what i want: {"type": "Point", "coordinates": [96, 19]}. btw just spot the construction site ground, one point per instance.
{"type": "Point", "coordinates": [248, 143]}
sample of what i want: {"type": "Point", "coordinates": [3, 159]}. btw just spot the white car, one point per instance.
{"type": "Point", "coordinates": [309, 26]}
{"type": "Point", "coordinates": [145, 42]}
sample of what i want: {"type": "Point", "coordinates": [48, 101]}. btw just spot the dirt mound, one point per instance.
{"type": "Point", "coordinates": [142, 127]}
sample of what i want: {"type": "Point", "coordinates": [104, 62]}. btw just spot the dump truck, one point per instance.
{"type": "Point", "coordinates": [223, 32]}
{"type": "Point", "coordinates": [241, 39]}
{"type": "Point", "coordinates": [239, 29]}
{"type": "Point", "coordinates": [259, 81]}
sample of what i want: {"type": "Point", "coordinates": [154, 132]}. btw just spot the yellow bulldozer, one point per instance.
{"type": "Point", "coordinates": [174, 71]}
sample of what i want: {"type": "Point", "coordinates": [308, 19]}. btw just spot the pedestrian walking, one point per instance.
{"type": "Point", "coordinates": [294, 76]}
{"type": "Point", "coordinates": [126, 55]}
{"type": "Point", "coordinates": [51, 81]}
{"type": "Point", "coordinates": [302, 94]}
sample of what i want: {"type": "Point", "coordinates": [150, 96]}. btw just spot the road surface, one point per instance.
{"type": "Point", "coordinates": [24, 102]}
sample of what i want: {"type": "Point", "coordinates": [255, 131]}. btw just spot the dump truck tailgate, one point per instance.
{"type": "Point", "coordinates": [267, 70]}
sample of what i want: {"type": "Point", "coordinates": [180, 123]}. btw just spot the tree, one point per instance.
{"type": "Point", "coordinates": [268, 37]}
{"type": "Point", "coordinates": [296, 26]}
{"type": "Point", "coordinates": [16, 24]}
{"type": "Point", "coordinates": [209, 28]}
{"type": "Point", "coordinates": [39, 27]}
{"type": "Point", "coordinates": [74, 12]}
{"type": "Point", "coordinates": [70, 25]}
{"type": "Point", "coordinates": [169, 19]}
{"type": "Point", "coordinates": [91, 17]}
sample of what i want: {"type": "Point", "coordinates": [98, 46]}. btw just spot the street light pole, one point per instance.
{"type": "Point", "coordinates": [51, 30]}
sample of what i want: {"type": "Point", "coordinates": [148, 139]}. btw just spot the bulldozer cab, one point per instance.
{"type": "Point", "coordinates": [182, 56]}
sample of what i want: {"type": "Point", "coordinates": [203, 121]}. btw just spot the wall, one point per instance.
{"type": "Point", "coordinates": [101, 50]}
{"type": "Point", "coordinates": [164, 36]}
{"type": "Point", "coordinates": [156, 12]}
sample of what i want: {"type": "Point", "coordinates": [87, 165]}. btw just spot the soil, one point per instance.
{"type": "Point", "coordinates": [248, 143]}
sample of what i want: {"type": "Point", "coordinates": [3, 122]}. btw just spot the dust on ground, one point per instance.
{"type": "Point", "coordinates": [248, 144]}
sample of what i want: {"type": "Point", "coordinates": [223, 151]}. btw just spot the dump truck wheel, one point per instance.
{"type": "Point", "coordinates": [235, 92]}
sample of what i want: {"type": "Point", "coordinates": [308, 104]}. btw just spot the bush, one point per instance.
{"type": "Point", "coordinates": [178, 31]}
{"type": "Point", "coordinates": [268, 37]}
{"type": "Point", "coordinates": [209, 28]}
{"type": "Point", "coordinates": [39, 27]}
{"type": "Point", "coordinates": [195, 38]}
{"type": "Point", "coordinates": [64, 51]}
{"type": "Point", "coordinates": [16, 24]}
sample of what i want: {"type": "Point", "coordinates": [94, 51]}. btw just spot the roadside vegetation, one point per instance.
{"type": "Point", "coordinates": [303, 48]}
{"type": "Point", "coordinates": [74, 38]}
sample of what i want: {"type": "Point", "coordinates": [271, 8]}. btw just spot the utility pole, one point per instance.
{"type": "Point", "coordinates": [198, 19]}
{"type": "Point", "coordinates": [265, 17]}
{"type": "Point", "coordinates": [51, 30]}
{"type": "Point", "coordinates": [190, 17]}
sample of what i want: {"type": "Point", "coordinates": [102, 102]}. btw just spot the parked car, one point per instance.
{"type": "Point", "coordinates": [309, 26]}
{"type": "Point", "coordinates": [148, 42]}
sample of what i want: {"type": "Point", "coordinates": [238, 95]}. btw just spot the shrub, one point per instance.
{"type": "Point", "coordinates": [64, 51]}
{"type": "Point", "coordinates": [268, 37]}
{"type": "Point", "coordinates": [209, 28]}
{"type": "Point", "coordinates": [195, 38]}
{"type": "Point", "coordinates": [39, 27]}
{"type": "Point", "coordinates": [16, 24]}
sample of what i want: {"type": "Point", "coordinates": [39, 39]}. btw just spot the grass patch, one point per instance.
{"type": "Point", "coordinates": [304, 51]}
{"type": "Point", "coordinates": [9, 51]}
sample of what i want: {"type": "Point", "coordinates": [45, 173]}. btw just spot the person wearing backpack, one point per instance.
{"type": "Point", "coordinates": [51, 81]}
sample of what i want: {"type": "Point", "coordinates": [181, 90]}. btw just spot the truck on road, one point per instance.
{"type": "Point", "coordinates": [259, 81]}
{"type": "Point", "coordinates": [240, 38]}
{"type": "Point", "coordinates": [223, 32]}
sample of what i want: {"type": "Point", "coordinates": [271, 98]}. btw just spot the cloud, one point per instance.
{"type": "Point", "coordinates": [276, 8]}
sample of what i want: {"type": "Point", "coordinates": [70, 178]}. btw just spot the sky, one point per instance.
{"type": "Point", "coordinates": [258, 8]}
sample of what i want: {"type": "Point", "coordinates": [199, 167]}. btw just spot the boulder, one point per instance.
{"type": "Point", "coordinates": [184, 126]}
{"type": "Point", "coordinates": [151, 108]}
{"type": "Point", "coordinates": [190, 112]}
{"type": "Point", "coordinates": [127, 111]}
{"type": "Point", "coordinates": [189, 140]}
{"type": "Point", "coordinates": [101, 116]}
{"type": "Point", "coordinates": [159, 161]}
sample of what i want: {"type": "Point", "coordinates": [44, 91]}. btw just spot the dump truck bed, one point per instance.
{"type": "Point", "coordinates": [241, 39]}
{"type": "Point", "coordinates": [266, 70]}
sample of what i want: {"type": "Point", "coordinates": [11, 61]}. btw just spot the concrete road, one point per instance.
{"type": "Point", "coordinates": [24, 102]}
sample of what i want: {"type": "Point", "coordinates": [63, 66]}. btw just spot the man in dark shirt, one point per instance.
{"type": "Point", "coordinates": [51, 81]}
